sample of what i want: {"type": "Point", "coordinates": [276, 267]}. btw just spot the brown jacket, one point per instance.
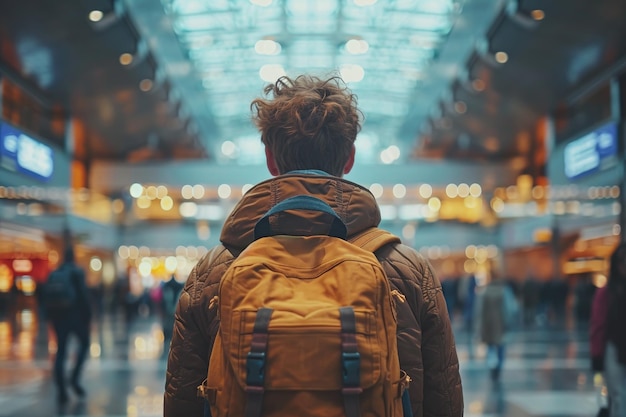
{"type": "Point", "coordinates": [425, 340]}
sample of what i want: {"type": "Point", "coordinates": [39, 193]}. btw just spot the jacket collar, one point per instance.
{"type": "Point", "coordinates": [354, 203]}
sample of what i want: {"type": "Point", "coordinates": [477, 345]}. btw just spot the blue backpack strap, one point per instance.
{"type": "Point", "coordinates": [301, 202]}
{"type": "Point", "coordinates": [351, 363]}
{"type": "Point", "coordinates": [255, 364]}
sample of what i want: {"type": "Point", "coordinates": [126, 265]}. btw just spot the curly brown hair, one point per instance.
{"type": "Point", "coordinates": [308, 123]}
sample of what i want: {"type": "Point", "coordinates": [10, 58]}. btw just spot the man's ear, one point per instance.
{"type": "Point", "coordinates": [350, 162]}
{"type": "Point", "coordinates": [271, 162]}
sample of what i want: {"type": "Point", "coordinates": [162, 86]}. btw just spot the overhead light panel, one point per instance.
{"type": "Point", "coordinates": [538, 14]}
{"type": "Point", "coordinates": [145, 85]}
{"type": "Point", "coordinates": [262, 3]}
{"type": "Point", "coordinates": [364, 3]}
{"type": "Point", "coordinates": [271, 72]}
{"type": "Point", "coordinates": [501, 57]}
{"type": "Point", "coordinates": [267, 47]}
{"type": "Point", "coordinates": [96, 15]}
{"type": "Point", "coordinates": [357, 46]}
{"type": "Point", "coordinates": [126, 59]}
{"type": "Point", "coordinates": [352, 73]}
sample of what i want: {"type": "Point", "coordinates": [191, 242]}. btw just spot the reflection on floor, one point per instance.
{"type": "Point", "coordinates": [546, 372]}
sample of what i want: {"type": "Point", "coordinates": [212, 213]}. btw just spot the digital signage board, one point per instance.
{"type": "Point", "coordinates": [21, 153]}
{"type": "Point", "coordinates": [592, 152]}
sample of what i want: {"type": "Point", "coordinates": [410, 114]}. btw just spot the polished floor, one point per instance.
{"type": "Point", "coordinates": [546, 372]}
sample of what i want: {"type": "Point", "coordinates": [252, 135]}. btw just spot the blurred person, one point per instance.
{"type": "Point", "coordinates": [608, 332]}
{"type": "Point", "coordinates": [597, 341]}
{"type": "Point", "coordinates": [583, 298]}
{"type": "Point", "coordinates": [169, 294]}
{"type": "Point", "coordinates": [449, 288]}
{"type": "Point", "coordinates": [308, 127]}
{"type": "Point", "coordinates": [561, 294]}
{"type": "Point", "coordinates": [546, 303]}
{"type": "Point", "coordinates": [467, 298]}
{"type": "Point", "coordinates": [497, 310]}
{"type": "Point", "coordinates": [75, 319]}
{"type": "Point", "coordinates": [531, 289]}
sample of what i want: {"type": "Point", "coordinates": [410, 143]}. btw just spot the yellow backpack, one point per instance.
{"type": "Point", "coordinates": [307, 327]}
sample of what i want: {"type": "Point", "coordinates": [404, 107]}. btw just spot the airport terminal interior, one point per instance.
{"type": "Point", "coordinates": [492, 139]}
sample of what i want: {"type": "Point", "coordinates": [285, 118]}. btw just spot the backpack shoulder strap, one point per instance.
{"type": "Point", "coordinates": [373, 239]}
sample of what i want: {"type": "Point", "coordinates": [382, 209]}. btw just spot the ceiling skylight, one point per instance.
{"type": "Point", "coordinates": [381, 48]}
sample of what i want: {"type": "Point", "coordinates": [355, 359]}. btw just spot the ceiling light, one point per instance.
{"type": "Point", "coordinates": [408, 231]}
{"type": "Point", "coordinates": [228, 148]}
{"type": "Point", "coordinates": [386, 156]}
{"type": "Point", "coordinates": [364, 3]}
{"type": "Point", "coordinates": [376, 190]}
{"type": "Point", "coordinates": [136, 190]}
{"type": "Point", "coordinates": [267, 47]}
{"type": "Point", "coordinates": [167, 203]}
{"type": "Point", "coordinates": [143, 202]}
{"type": "Point", "coordinates": [246, 188]}
{"type": "Point", "coordinates": [262, 3]}
{"type": "Point", "coordinates": [452, 190]}
{"type": "Point", "coordinates": [197, 191]}
{"type": "Point", "coordinates": [399, 190]}
{"type": "Point", "coordinates": [538, 14]}
{"type": "Point", "coordinates": [434, 204]}
{"type": "Point", "coordinates": [123, 252]}
{"type": "Point", "coordinates": [463, 190]}
{"type": "Point", "coordinates": [271, 72]}
{"type": "Point", "coordinates": [96, 15]}
{"type": "Point", "coordinates": [187, 191]}
{"type": "Point", "coordinates": [161, 191]}
{"type": "Point", "coordinates": [352, 73]}
{"type": "Point", "coordinates": [126, 59]}
{"type": "Point", "coordinates": [478, 84]}
{"type": "Point", "coordinates": [460, 107]}
{"type": "Point", "coordinates": [475, 190]}
{"type": "Point", "coordinates": [502, 57]}
{"type": "Point", "coordinates": [224, 191]}
{"type": "Point", "coordinates": [497, 205]}
{"type": "Point", "coordinates": [145, 85]}
{"type": "Point", "coordinates": [151, 192]}
{"type": "Point", "coordinates": [426, 191]}
{"type": "Point", "coordinates": [357, 46]}
{"type": "Point", "coordinates": [188, 209]}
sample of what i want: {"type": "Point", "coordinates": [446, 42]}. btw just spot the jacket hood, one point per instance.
{"type": "Point", "coordinates": [354, 204]}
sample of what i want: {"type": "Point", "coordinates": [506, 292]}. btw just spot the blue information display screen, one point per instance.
{"type": "Point", "coordinates": [595, 151]}
{"type": "Point", "coordinates": [21, 153]}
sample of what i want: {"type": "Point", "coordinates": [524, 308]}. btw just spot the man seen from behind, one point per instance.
{"type": "Point", "coordinates": [308, 126]}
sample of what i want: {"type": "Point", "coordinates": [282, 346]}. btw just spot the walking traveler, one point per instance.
{"type": "Point", "coordinates": [66, 300]}
{"type": "Point", "coordinates": [308, 126]}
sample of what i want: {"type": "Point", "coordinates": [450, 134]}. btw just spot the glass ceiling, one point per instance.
{"type": "Point", "coordinates": [380, 48]}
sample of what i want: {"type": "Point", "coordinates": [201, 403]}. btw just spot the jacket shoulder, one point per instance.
{"type": "Point", "coordinates": [401, 255]}
{"type": "Point", "coordinates": [215, 257]}
{"type": "Point", "coordinates": [404, 264]}
{"type": "Point", "coordinates": [208, 271]}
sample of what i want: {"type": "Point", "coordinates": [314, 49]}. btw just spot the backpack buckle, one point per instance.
{"type": "Point", "coordinates": [255, 369]}
{"type": "Point", "coordinates": [351, 363]}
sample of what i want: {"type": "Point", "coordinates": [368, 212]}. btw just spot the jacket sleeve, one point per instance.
{"type": "Point", "coordinates": [443, 394]}
{"type": "Point", "coordinates": [425, 340]}
{"type": "Point", "coordinates": [191, 344]}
